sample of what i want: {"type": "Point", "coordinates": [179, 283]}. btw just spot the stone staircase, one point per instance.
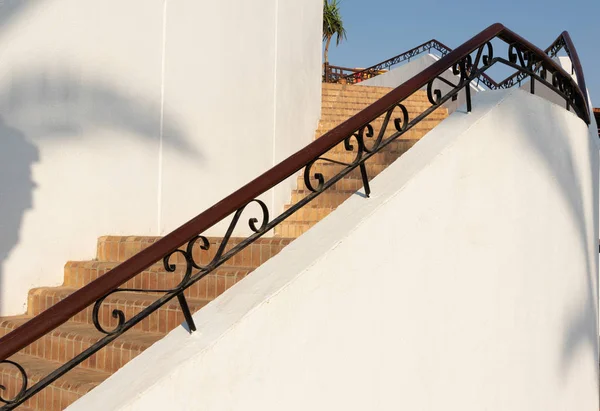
{"type": "Point", "coordinates": [339, 102]}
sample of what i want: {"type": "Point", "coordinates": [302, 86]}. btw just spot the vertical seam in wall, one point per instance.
{"type": "Point", "coordinates": [273, 161]}
{"type": "Point", "coordinates": [162, 117]}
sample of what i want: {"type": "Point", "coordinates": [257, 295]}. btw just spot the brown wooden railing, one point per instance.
{"type": "Point", "coordinates": [470, 61]}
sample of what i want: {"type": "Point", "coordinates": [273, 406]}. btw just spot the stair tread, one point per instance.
{"type": "Point", "coordinates": [303, 191]}
{"type": "Point", "coordinates": [80, 380]}
{"type": "Point", "coordinates": [87, 332]}
{"type": "Point", "coordinates": [126, 296]}
{"type": "Point", "coordinates": [156, 267]}
{"type": "Point", "coordinates": [126, 238]}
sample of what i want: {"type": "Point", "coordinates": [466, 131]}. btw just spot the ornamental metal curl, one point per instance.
{"type": "Point", "coordinates": [24, 384]}
{"type": "Point", "coordinates": [399, 124]}
{"type": "Point", "coordinates": [348, 146]}
{"type": "Point", "coordinates": [552, 51]}
{"type": "Point", "coordinates": [188, 279]}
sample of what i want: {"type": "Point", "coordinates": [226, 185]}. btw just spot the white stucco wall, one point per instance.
{"type": "Point", "coordinates": [132, 117]}
{"type": "Point", "coordinates": [467, 282]}
{"type": "Point", "coordinates": [400, 74]}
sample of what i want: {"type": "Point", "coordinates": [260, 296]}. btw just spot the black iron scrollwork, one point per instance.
{"type": "Point", "coordinates": [24, 383]}
{"type": "Point", "coordinates": [188, 278]}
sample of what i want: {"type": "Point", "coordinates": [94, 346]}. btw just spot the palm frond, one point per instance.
{"type": "Point", "coordinates": [333, 24]}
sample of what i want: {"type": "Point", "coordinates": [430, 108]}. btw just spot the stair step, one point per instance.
{"type": "Point", "coordinates": [411, 106]}
{"type": "Point", "coordinates": [351, 182]}
{"type": "Point", "coordinates": [399, 146]}
{"type": "Point", "coordinates": [59, 394]}
{"type": "Point", "coordinates": [80, 273]}
{"type": "Point", "coordinates": [366, 92]}
{"type": "Point", "coordinates": [357, 98]}
{"type": "Point", "coordinates": [412, 134]}
{"type": "Point", "coordinates": [329, 170]}
{"type": "Point", "coordinates": [70, 339]}
{"type": "Point", "coordinates": [121, 248]}
{"type": "Point", "coordinates": [328, 199]}
{"type": "Point", "coordinates": [310, 214]}
{"type": "Point", "coordinates": [382, 158]}
{"type": "Point", "coordinates": [342, 115]}
{"type": "Point", "coordinates": [329, 87]}
{"type": "Point", "coordinates": [161, 321]}
{"type": "Point", "coordinates": [296, 228]}
{"type": "Point", "coordinates": [425, 125]}
{"type": "Point", "coordinates": [345, 184]}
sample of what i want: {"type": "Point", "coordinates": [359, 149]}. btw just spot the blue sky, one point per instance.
{"type": "Point", "coordinates": [379, 29]}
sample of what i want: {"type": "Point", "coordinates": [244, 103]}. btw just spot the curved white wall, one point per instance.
{"type": "Point", "coordinates": [467, 282]}
{"type": "Point", "coordinates": [132, 117]}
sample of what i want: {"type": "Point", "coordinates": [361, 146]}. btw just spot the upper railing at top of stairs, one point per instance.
{"type": "Point", "coordinates": [337, 74]}
{"type": "Point", "coordinates": [178, 250]}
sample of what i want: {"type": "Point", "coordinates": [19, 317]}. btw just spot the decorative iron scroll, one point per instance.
{"type": "Point", "coordinates": [363, 139]}
{"type": "Point", "coordinates": [518, 77]}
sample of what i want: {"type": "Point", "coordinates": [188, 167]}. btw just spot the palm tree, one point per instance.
{"type": "Point", "coordinates": [332, 26]}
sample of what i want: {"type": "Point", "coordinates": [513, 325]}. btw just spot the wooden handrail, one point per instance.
{"type": "Point", "coordinates": [89, 294]}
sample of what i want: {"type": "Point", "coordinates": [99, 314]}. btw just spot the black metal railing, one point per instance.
{"type": "Point", "coordinates": [337, 74]}
{"type": "Point", "coordinates": [363, 135]}
{"type": "Point", "coordinates": [562, 42]}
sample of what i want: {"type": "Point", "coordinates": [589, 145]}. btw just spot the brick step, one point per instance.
{"type": "Point", "coordinates": [351, 182]}
{"type": "Point", "coordinates": [341, 115]}
{"type": "Point", "coordinates": [400, 145]}
{"type": "Point", "coordinates": [161, 321]}
{"type": "Point", "coordinates": [70, 339]}
{"type": "Point", "coordinates": [355, 90]}
{"type": "Point", "coordinates": [371, 92]}
{"type": "Point", "coordinates": [328, 199]}
{"type": "Point", "coordinates": [331, 169]}
{"type": "Point", "coordinates": [345, 184]}
{"type": "Point", "coordinates": [120, 248]}
{"type": "Point", "coordinates": [309, 213]}
{"type": "Point", "coordinates": [80, 273]}
{"type": "Point", "coordinates": [383, 157]}
{"type": "Point", "coordinates": [333, 87]}
{"type": "Point", "coordinates": [413, 111]}
{"type": "Point", "coordinates": [411, 134]}
{"type": "Point", "coordinates": [56, 396]}
{"type": "Point", "coordinates": [412, 106]}
{"type": "Point", "coordinates": [295, 228]}
{"type": "Point", "coordinates": [425, 125]}
{"type": "Point", "coordinates": [333, 101]}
